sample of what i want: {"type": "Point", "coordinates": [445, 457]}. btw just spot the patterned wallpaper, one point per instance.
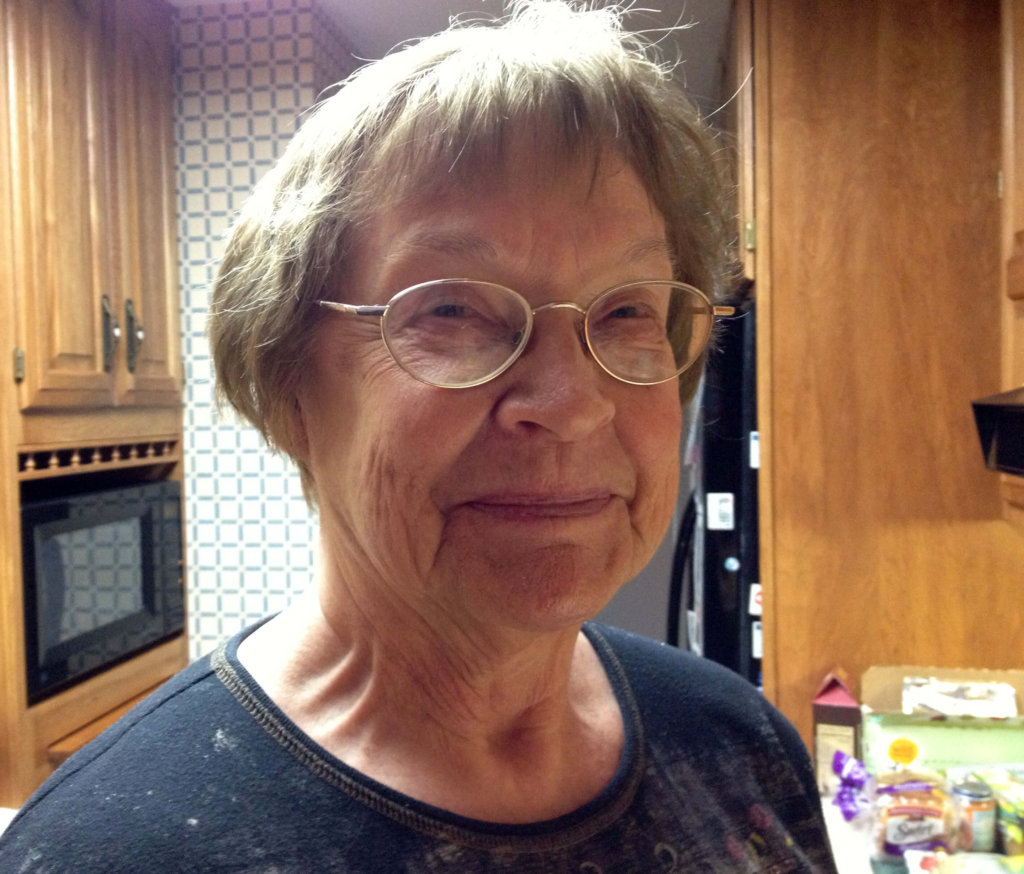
{"type": "Point", "coordinates": [245, 72]}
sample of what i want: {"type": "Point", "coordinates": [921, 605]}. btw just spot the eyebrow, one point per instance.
{"type": "Point", "coordinates": [640, 250]}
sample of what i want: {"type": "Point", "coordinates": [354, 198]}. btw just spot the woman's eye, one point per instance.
{"type": "Point", "coordinates": [625, 311]}
{"type": "Point", "coordinates": [629, 310]}
{"type": "Point", "coordinates": [451, 311]}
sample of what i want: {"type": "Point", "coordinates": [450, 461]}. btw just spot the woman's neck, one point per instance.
{"type": "Point", "coordinates": [503, 726]}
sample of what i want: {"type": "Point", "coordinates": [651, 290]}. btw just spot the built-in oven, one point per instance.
{"type": "Point", "coordinates": [102, 579]}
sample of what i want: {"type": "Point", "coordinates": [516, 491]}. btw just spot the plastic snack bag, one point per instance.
{"type": "Point", "coordinates": [912, 812]}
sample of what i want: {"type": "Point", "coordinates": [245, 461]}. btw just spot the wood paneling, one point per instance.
{"type": "Point", "coordinates": [878, 153]}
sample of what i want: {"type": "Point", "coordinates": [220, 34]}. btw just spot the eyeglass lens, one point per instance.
{"type": "Point", "coordinates": [463, 333]}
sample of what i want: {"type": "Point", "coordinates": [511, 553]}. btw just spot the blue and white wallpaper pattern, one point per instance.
{"type": "Point", "coordinates": [245, 73]}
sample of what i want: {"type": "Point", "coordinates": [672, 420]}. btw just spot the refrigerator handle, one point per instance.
{"type": "Point", "coordinates": [678, 593]}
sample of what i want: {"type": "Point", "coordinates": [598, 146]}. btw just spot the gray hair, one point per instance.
{"type": "Point", "coordinates": [433, 114]}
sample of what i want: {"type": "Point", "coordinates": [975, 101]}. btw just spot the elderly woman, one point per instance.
{"type": "Point", "coordinates": [469, 302]}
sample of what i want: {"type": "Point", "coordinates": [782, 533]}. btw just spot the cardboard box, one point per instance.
{"type": "Point", "coordinates": [888, 736]}
{"type": "Point", "coordinates": [837, 722]}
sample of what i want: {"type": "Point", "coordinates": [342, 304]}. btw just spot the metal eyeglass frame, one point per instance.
{"type": "Point", "coordinates": [380, 311]}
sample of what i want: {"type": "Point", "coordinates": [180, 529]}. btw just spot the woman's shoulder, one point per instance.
{"type": "Point", "coordinates": [653, 661]}
{"type": "Point", "coordinates": [686, 701]}
{"type": "Point", "coordinates": [673, 687]}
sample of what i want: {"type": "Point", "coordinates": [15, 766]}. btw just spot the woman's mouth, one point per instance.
{"type": "Point", "coordinates": [526, 507]}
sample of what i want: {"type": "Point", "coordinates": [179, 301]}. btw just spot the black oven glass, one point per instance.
{"type": "Point", "coordinates": [102, 580]}
{"type": "Point", "coordinates": [93, 578]}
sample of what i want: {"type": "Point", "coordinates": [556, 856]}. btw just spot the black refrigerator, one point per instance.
{"type": "Point", "coordinates": [714, 604]}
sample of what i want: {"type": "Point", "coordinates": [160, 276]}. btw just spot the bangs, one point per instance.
{"type": "Point", "coordinates": [467, 104]}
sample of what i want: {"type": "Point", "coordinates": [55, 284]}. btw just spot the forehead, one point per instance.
{"type": "Point", "coordinates": [523, 215]}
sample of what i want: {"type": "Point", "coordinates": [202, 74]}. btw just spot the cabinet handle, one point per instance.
{"type": "Point", "coordinates": [135, 334]}
{"type": "Point", "coordinates": [111, 332]}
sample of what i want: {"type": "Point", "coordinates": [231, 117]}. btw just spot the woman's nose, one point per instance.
{"type": "Point", "coordinates": [556, 386]}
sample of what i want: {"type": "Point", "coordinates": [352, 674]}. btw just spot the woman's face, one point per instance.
{"type": "Point", "coordinates": [525, 502]}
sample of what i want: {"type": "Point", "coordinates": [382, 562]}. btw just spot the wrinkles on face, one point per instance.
{"type": "Point", "coordinates": [380, 507]}
{"type": "Point", "coordinates": [525, 501]}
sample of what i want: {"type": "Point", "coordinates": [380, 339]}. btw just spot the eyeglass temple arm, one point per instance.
{"type": "Point", "coordinates": [353, 309]}
{"type": "Point", "coordinates": [725, 311]}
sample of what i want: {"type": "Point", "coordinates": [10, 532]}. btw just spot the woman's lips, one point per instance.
{"type": "Point", "coordinates": [527, 507]}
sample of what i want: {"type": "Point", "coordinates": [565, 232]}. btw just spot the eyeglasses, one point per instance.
{"type": "Point", "coordinates": [460, 333]}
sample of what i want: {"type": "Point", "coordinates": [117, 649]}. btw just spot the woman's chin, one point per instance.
{"type": "Point", "coordinates": [550, 589]}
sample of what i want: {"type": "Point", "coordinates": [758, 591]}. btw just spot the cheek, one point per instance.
{"type": "Point", "coordinates": [348, 386]}
{"type": "Point", "coordinates": [373, 466]}
{"type": "Point", "coordinates": [379, 443]}
{"type": "Point", "coordinates": [652, 436]}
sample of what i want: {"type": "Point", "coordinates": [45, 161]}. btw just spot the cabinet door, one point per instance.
{"type": "Point", "coordinates": [60, 233]}
{"type": "Point", "coordinates": [149, 373]}
{"type": "Point", "coordinates": [1013, 223]}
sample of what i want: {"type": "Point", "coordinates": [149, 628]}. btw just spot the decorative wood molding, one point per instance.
{"type": "Point", "coordinates": [62, 460]}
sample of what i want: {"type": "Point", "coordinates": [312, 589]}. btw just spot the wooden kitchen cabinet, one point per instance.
{"type": "Point", "coordinates": [87, 243]}
{"type": "Point", "coordinates": [62, 229]}
{"type": "Point", "coordinates": [1013, 226]}
{"type": "Point", "coordinates": [95, 276]}
{"type": "Point", "coordinates": [880, 318]}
